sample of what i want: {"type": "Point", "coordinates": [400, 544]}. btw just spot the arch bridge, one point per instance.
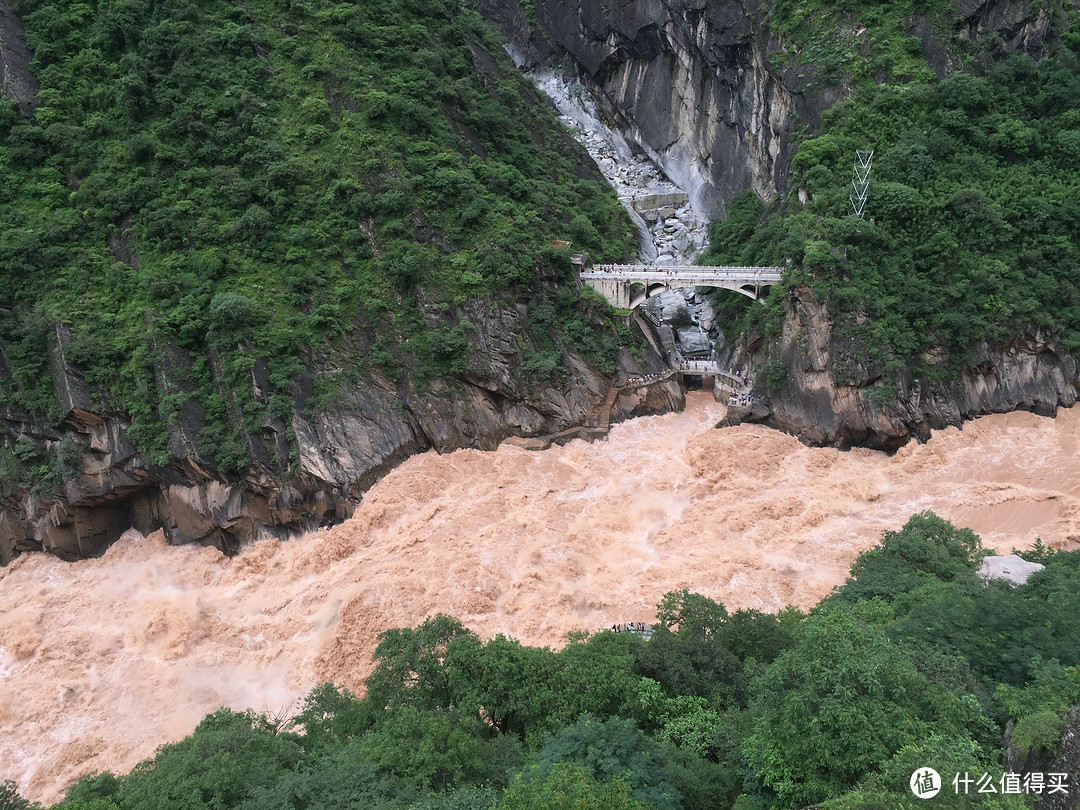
{"type": "Point", "coordinates": [615, 281]}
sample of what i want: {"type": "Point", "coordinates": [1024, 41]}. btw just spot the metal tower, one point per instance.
{"type": "Point", "coordinates": [860, 182]}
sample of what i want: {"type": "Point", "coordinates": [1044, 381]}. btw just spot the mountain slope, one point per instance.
{"type": "Point", "coordinates": [282, 244]}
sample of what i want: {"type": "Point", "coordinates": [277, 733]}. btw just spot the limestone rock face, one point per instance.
{"type": "Point", "coordinates": [666, 303]}
{"type": "Point", "coordinates": [692, 84]}
{"type": "Point", "coordinates": [694, 341]}
{"type": "Point", "coordinates": [1066, 761]}
{"type": "Point", "coordinates": [1062, 758]}
{"type": "Point", "coordinates": [310, 469]}
{"type": "Point", "coordinates": [686, 80]}
{"type": "Point", "coordinates": [826, 389]}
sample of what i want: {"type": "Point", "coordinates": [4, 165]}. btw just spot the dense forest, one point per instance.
{"type": "Point", "coordinates": [971, 228]}
{"type": "Point", "coordinates": [916, 661]}
{"type": "Point", "coordinates": [312, 184]}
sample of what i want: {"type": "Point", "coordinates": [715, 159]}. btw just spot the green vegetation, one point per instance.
{"type": "Point", "coordinates": [972, 227]}
{"type": "Point", "coordinates": [833, 41]}
{"type": "Point", "coordinates": [914, 662]}
{"type": "Point", "coordinates": [303, 183]}
{"type": "Point", "coordinates": [681, 318]}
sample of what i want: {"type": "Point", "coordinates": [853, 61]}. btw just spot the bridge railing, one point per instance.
{"type": "Point", "coordinates": [680, 272]}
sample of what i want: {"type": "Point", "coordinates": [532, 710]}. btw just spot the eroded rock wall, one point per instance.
{"type": "Point", "coordinates": [706, 88]}
{"type": "Point", "coordinates": [826, 389]}
{"type": "Point", "coordinates": [686, 80]}
{"type": "Point", "coordinates": [310, 469]}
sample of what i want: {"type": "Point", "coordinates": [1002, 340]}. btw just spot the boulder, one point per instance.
{"type": "Point", "coordinates": [693, 340]}
{"type": "Point", "coordinates": [1011, 567]}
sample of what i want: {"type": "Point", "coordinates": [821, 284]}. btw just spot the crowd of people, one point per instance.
{"type": "Point", "coordinates": [648, 378]}
{"type": "Point", "coordinates": [696, 270]}
{"type": "Point", "coordinates": [691, 364]}
{"type": "Point", "coordinates": [631, 627]}
{"type": "Point", "coordinates": [667, 271]}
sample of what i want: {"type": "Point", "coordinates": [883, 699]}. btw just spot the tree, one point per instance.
{"type": "Point", "coordinates": [228, 755]}
{"type": "Point", "coordinates": [410, 665]}
{"type": "Point", "coordinates": [513, 685]}
{"type": "Point", "coordinates": [331, 716]}
{"type": "Point", "coordinates": [433, 750]}
{"type": "Point", "coordinates": [567, 786]}
{"type": "Point", "coordinates": [926, 549]}
{"type": "Point", "coordinates": [835, 707]}
{"type": "Point", "coordinates": [10, 798]}
{"type": "Point", "coordinates": [890, 788]}
{"type": "Point", "coordinates": [687, 653]}
{"type": "Point", "coordinates": [608, 750]}
{"type": "Point", "coordinates": [680, 319]}
{"type": "Point", "coordinates": [690, 613]}
{"type": "Point", "coordinates": [340, 779]}
{"type": "Point", "coordinates": [95, 791]}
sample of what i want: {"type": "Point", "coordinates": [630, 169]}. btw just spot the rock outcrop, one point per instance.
{"type": "Point", "coordinates": [309, 468]}
{"type": "Point", "coordinates": [707, 88]}
{"type": "Point", "coordinates": [818, 382]}
{"type": "Point", "coordinates": [1012, 567]}
{"type": "Point", "coordinates": [16, 80]}
{"type": "Point", "coordinates": [1061, 758]}
{"type": "Point", "coordinates": [687, 81]}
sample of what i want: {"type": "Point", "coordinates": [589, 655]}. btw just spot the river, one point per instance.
{"type": "Point", "coordinates": [103, 660]}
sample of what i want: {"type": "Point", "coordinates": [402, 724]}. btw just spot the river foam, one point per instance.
{"type": "Point", "coordinates": [103, 660]}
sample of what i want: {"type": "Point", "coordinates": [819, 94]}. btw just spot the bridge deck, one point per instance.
{"type": "Point", "coordinates": [698, 273]}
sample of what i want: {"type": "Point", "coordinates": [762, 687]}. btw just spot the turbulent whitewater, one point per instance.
{"type": "Point", "coordinates": [103, 660]}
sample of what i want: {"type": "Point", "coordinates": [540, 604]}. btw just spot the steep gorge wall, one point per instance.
{"type": "Point", "coordinates": [692, 83]}
{"type": "Point", "coordinates": [705, 86]}
{"type": "Point", "coordinates": [16, 80]}
{"type": "Point", "coordinates": [688, 81]}
{"type": "Point", "coordinates": [82, 481]}
{"type": "Point", "coordinates": [833, 393]}
{"type": "Point", "coordinates": [308, 472]}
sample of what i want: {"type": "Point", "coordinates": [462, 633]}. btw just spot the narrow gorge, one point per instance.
{"type": "Point", "coordinates": [683, 105]}
{"type": "Point", "coordinates": [296, 364]}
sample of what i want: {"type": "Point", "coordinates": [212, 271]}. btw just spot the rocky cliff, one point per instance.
{"type": "Point", "coordinates": [691, 82]}
{"type": "Point", "coordinates": [707, 88]}
{"type": "Point", "coordinates": [310, 469]}
{"type": "Point", "coordinates": [826, 389]}
{"type": "Point", "coordinates": [688, 82]}
{"type": "Point", "coordinates": [16, 80]}
{"type": "Point", "coordinates": [72, 481]}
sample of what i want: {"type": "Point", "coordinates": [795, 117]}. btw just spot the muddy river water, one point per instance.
{"type": "Point", "coordinates": [103, 660]}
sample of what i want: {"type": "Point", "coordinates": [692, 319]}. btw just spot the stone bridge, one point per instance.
{"type": "Point", "coordinates": [702, 368]}
{"type": "Point", "coordinates": [615, 281]}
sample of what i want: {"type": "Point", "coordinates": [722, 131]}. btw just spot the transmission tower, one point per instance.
{"type": "Point", "coordinates": [860, 182]}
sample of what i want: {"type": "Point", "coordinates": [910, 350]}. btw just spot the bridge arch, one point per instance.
{"type": "Point", "coordinates": [651, 289]}
{"type": "Point", "coordinates": [614, 281]}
